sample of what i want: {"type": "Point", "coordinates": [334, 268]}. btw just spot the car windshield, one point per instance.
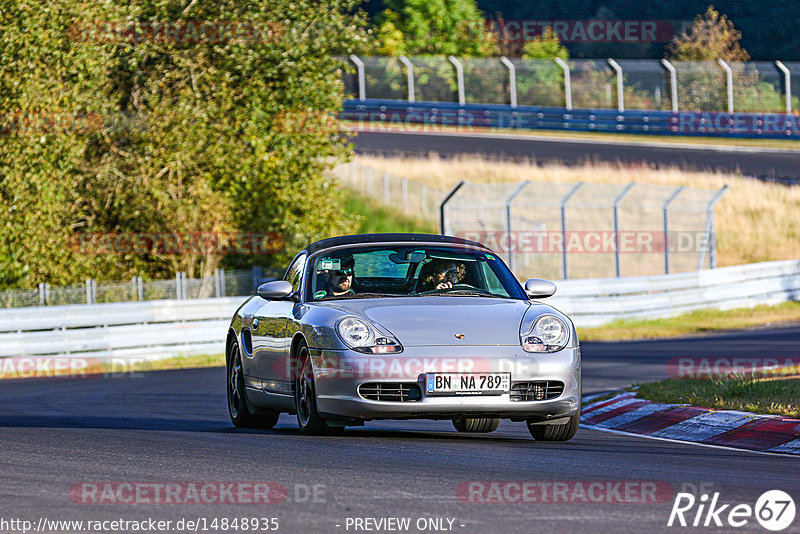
{"type": "Point", "coordinates": [408, 271]}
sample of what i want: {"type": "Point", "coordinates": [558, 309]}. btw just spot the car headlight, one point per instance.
{"type": "Point", "coordinates": [548, 334]}
{"type": "Point", "coordinates": [363, 337]}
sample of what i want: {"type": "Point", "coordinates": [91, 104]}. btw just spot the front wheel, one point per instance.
{"type": "Point", "coordinates": [238, 409]}
{"type": "Point", "coordinates": [305, 399]}
{"type": "Point", "coordinates": [553, 432]}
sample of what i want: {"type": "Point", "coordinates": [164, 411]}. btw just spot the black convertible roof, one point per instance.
{"type": "Point", "coordinates": [386, 238]}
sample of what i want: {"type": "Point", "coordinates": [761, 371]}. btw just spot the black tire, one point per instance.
{"type": "Point", "coordinates": [476, 424]}
{"type": "Point", "coordinates": [305, 399]}
{"type": "Point", "coordinates": [239, 410]}
{"type": "Point", "coordinates": [556, 432]}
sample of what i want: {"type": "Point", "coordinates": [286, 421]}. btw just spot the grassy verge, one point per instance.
{"type": "Point", "coordinates": [87, 367]}
{"type": "Point", "coordinates": [757, 395]}
{"type": "Point", "coordinates": [697, 322]}
{"type": "Point", "coordinates": [374, 218]}
{"type": "Point", "coordinates": [595, 136]}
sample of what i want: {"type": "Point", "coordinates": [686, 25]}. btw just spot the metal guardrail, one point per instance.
{"type": "Point", "coordinates": [593, 302]}
{"type": "Point", "coordinates": [431, 116]}
{"type": "Point", "coordinates": [153, 329]}
{"type": "Point", "coordinates": [160, 329]}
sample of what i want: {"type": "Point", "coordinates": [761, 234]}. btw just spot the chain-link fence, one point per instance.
{"type": "Point", "coordinates": [234, 283]}
{"type": "Point", "coordinates": [756, 86]}
{"type": "Point", "coordinates": [562, 230]}
{"type": "Point", "coordinates": [582, 230]}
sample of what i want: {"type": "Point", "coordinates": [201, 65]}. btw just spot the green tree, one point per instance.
{"type": "Point", "coordinates": [229, 135]}
{"type": "Point", "coordinates": [712, 36]}
{"type": "Point", "coordinates": [434, 27]}
{"type": "Point", "coordinates": [702, 85]}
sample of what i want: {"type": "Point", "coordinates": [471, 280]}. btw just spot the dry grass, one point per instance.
{"type": "Point", "coordinates": [755, 221]}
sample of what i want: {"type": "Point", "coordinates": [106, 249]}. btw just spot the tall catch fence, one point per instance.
{"type": "Point", "coordinates": [562, 230]}
{"type": "Point", "coordinates": [586, 230]}
{"type": "Point", "coordinates": [696, 86]}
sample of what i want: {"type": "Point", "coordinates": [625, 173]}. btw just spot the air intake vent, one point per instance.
{"type": "Point", "coordinates": [391, 391]}
{"type": "Point", "coordinates": [535, 391]}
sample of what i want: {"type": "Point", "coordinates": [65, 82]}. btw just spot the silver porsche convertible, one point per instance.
{"type": "Point", "coordinates": [400, 326]}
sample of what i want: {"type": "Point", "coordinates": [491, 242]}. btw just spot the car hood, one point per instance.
{"type": "Point", "coordinates": [417, 321]}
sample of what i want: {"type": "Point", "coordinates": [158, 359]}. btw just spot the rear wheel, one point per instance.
{"type": "Point", "coordinates": [240, 412]}
{"type": "Point", "coordinates": [476, 424]}
{"type": "Point", "coordinates": [305, 399]}
{"type": "Point", "coordinates": [554, 432]}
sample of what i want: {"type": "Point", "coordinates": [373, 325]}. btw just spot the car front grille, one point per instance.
{"type": "Point", "coordinates": [391, 391]}
{"type": "Point", "coordinates": [535, 391]}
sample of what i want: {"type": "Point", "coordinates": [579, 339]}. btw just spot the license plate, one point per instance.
{"type": "Point", "coordinates": [467, 383]}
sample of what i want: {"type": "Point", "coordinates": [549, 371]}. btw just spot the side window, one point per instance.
{"type": "Point", "coordinates": [294, 275]}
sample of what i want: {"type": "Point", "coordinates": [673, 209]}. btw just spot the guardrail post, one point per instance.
{"type": "Point", "coordinates": [410, 77]}
{"type": "Point", "coordinates": [459, 79]}
{"type": "Point", "coordinates": [139, 288]}
{"type": "Point", "coordinates": [91, 291]}
{"type": "Point", "coordinates": [710, 232]}
{"type": "Point", "coordinates": [44, 293]}
{"type": "Point", "coordinates": [564, 265]}
{"type": "Point", "coordinates": [362, 89]}
{"type": "Point", "coordinates": [567, 83]}
{"type": "Point", "coordinates": [512, 80]}
{"type": "Point", "coordinates": [180, 285]}
{"type": "Point", "coordinates": [444, 201]}
{"type": "Point", "coordinates": [509, 200]}
{"type": "Point", "coordinates": [620, 84]}
{"type": "Point", "coordinates": [787, 80]}
{"type": "Point", "coordinates": [673, 84]}
{"type": "Point", "coordinates": [219, 283]}
{"type": "Point", "coordinates": [257, 275]}
{"type": "Point", "coordinates": [665, 209]}
{"type": "Point", "coordinates": [729, 78]}
{"type": "Point", "coordinates": [617, 200]}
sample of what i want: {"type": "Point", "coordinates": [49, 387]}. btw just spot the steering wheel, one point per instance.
{"type": "Point", "coordinates": [446, 289]}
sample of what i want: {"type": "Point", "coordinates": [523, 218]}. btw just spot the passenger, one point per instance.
{"type": "Point", "coordinates": [440, 274]}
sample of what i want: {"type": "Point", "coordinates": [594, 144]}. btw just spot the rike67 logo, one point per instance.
{"type": "Point", "coordinates": [774, 510]}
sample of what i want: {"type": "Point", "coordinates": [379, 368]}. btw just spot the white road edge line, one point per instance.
{"type": "Point", "coordinates": [561, 139]}
{"type": "Point", "coordinates": [709, 445]}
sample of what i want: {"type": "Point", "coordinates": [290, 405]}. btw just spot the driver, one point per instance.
{"type": "Point", "coordinates": [338, 277]}
{"type": "Point", "coordinates": [441, 274]}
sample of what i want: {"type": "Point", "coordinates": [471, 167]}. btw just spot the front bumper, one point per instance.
{"type": "Point", "coordinates": [339, 373]}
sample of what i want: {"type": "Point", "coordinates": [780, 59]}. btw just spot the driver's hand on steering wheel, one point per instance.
{"type": "Point", "coordinates": [444, 285]}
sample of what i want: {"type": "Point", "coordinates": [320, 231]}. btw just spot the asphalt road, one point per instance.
{"type": "Point", "coordinates": [173, 426]}
{"type": "Point", "coordinates": [782, 165]}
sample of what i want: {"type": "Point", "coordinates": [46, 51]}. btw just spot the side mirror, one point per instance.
{"type": "Point", "coordinates": [537, 288]}
{"type": "Point", "coordinates": [275, 290]}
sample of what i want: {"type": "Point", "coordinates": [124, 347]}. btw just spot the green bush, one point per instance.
{"type": "Point", "coordinates": [182, 136]}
